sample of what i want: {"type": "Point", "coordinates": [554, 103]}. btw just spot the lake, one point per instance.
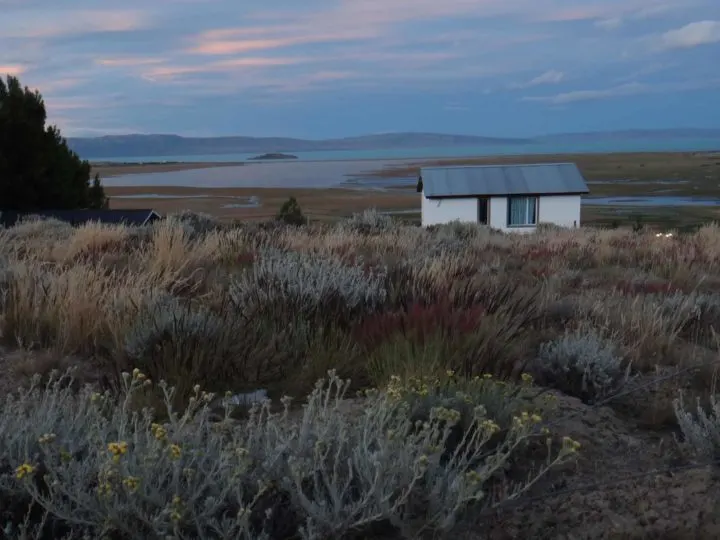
{"type": "Point", "coordinates": [651, 200]}
{"type": "Point", "coordinates": [580, 147]}
{"type": "Point", "coordinates": [283, 174]}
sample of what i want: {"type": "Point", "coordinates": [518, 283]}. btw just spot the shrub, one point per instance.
{"type": "Point", "coordinates": [290, 213]}
{"type": "Point", "coordinates": [647, 331]}
{"type": "Point", "coordinates": [502, 400]}
{"type": "Point", "coordinates": [185, 345]}
{"type": "Point", "coordinates": [492, 347]}
{"type": "Point", "coordinates": [33, 236]}
{"type": "Point", "coordinates": [101, 470]}
{"type": "Point", "coordinates": [308, 279]}
{"type": "Point", "coordinates": [50, 306]}
{"type": "Point", "coordinates": [418, 321]}
{"type": "Point", "coordinates": [701, 313]}
{"type": "Point", "coordinates": [582, 364]}
{"type": "Point", "coordinates": [701, 433]}
{"type": "Point", "coordinates": [370, 221]}
{"type": "Point", "coordinates": [197, 223]}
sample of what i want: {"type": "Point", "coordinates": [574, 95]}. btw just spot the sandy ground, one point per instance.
{"type": "Point", "coordinates": [224, 189]}
{"type": "Point", "coordinates": [316, 203]}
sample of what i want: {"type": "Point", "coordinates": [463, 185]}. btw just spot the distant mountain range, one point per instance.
{"type": "Point", "coordinates": [114, 146]}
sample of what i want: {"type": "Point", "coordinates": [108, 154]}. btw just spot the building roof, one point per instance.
{"type": "Point", "coordinates": [534, 179]}
{"type": "Point", "coordinates": [119, 216]}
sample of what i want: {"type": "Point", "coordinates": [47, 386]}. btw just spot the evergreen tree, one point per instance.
{"type": "Point", "coordinates": [291, 213]}
{"type": "Point", "coordinates": [38, 171]}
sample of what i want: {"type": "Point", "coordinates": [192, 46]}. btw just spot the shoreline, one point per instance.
{"type": "Point", "coordinates": [111, 170]}
{"type": "Point", "coordinates": [327, 190]}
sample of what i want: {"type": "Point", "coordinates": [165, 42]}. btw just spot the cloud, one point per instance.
{"type": "Point", "coordinates": [210, 45]}
{"type": "Point", "coordinates": [609, 24]}
{"type": "Point", "coordinates": [612, 14]}
{"type": "Point", "coordinates": [629, 89]}
{"type": "Point", "coordinates": [381, 56]}
{"type": "Point", "coordinates": [54, 86]}
{"type": "Point", "coordinates": [11, 69]}
{"type": "Point", "coordinates": [549, 77]}
{"type": "Point", "coordinates": [128, 61]}
{"type": "Point", "coordinates": [169, 72]}
{"type": "Point", "coordinates": [456, 107]}
{"type": "Point", "coordinates": [625, 90]}
{"type": "Point", "coordinates": [50, 23]}
{"type": "Point", "coordinates": [692, 35]}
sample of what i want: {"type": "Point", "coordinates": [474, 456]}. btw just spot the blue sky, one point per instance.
{"type": "Point", "coordinates": [329, 68]}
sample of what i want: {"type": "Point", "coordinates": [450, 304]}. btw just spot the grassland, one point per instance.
{"type": "Point", "coordinates": [609, 175]}
{"type": "Point", "coordinates": [500, 386]}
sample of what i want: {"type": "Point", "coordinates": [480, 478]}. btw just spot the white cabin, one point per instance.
{"type": "Point", "coordinates": [512, 198]}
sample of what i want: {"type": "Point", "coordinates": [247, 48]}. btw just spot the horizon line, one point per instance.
{"type": "Point", "coordinates": [429, 133]}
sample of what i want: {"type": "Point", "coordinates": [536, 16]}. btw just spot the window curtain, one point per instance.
{"type": "Point", "coordinates": [522, 211]}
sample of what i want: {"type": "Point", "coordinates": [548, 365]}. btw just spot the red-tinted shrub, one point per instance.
{"type": "Point", "coordinates": [633, 288]}
{"type": "Point", "coordinates": [418, 321]}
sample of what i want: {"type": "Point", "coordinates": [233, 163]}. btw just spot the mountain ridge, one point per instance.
{"type": "Point", "coordinates": [135, 145]}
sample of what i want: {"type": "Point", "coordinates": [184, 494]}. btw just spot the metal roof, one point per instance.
{"type": "Point", "coordinates": [521, 179]}
{"type": "Point", "coordinates": [132, 216]}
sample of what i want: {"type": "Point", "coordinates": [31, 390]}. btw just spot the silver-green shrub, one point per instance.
{"type": "Point", "coordinates": [195, 223]}
{"type": "Point", "coordinates": [582, 364]}
{"type": "Point", "coordinates": [701, 432]}
{"type": "Point", "coordinates": [109, 471]}
{"type": "Point", "coordinates": [700, 311]}
{"type": "Point", "coordinates": [369, 221]}
{"type": "Point", "coordinates": [164, 317]}
{"type": "Point", "coordinates": [181, 342]}
{"type": "Point", "coordinates": [307, 277]}
{"type": "Point", "coordinates": [31, 232]}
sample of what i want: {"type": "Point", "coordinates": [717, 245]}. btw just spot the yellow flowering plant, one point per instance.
{"type": "Point", "coordinates": [177, 474]}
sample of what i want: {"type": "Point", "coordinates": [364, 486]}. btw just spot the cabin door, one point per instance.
{"type": "Point", "coordinates": [483, 211]}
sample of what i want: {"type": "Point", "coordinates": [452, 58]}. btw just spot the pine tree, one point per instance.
{"type": "Point", "coordinates": [38, 170]}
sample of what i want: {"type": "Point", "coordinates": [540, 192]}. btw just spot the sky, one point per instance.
{"type": "Point", "coordinates": [334, 68]}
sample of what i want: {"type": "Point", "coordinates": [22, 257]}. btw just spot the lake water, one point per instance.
{"type": "Point", "coordinates": [256, 202]}
{"type": "Point", "coordinates": [609, 145]}
{"type": "Point", "coordinates": [649, 201]}
{"type": "Point", "coordinates": [284, 174]}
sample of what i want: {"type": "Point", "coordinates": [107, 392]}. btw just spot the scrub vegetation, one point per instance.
{"type": "Point", "coordinates": [423, 383]}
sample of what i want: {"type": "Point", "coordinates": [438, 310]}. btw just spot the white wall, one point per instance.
{"type": "Point", "coordinates": [498, 209]}
{"type": "Point", "coordinates": [438, 211]}
{"type": "Point", "coordinates": [563, 210]}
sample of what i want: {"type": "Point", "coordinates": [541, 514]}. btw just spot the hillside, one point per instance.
{"type": "Point", "coordinates": [169, 145]}
{"type": "Point", "coordinates": [112, 146]}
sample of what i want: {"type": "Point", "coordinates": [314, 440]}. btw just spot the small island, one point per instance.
{"type": "Point", "coordinates": [273, 156]}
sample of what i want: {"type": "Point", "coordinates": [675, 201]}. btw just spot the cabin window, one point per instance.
{"type": "Point", "coordinates": [522, 211]}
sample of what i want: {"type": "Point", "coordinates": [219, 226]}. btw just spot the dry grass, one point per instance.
{"type": "Point", "coordinates": [78, 290]}
{"type": "Point", "coordinates": [264, 305]}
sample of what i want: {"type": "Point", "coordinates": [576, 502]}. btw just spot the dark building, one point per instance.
{"type": "Point", "coordinates": [139, 217]}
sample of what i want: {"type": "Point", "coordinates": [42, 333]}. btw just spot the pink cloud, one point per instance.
{"type": "Point", "coordinates": [58, 85]}
{"type": "Point", "coordinates": [128, 61]}
{"type": "Point", "coordinates": [169, 72]}
{"type": "Point", "coordinates": [349, 20]}
{"type": "Point", "coordinates": [56, 104]}
{"type": "Point", "coordinates": [11, 69]}
{"type": "Point", "coordinates": [208, 43]}
{"type": "Point", "coordinates": [49, 24]}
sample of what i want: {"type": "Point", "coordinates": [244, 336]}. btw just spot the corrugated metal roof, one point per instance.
{"type": "Point", "coordinates": [8, 218]}
{"type": "Point", "coordinates": [537, 178]}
